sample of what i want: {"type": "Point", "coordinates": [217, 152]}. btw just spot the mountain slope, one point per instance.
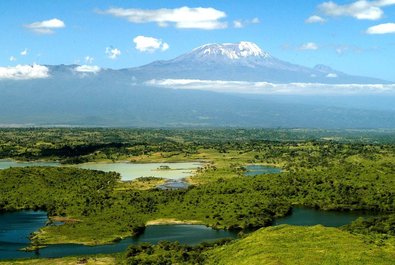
{"type": "Point", "coordinates": [90, 96]}
{"type": "Point", "coordinates": [301, 245]}
{"type": "Point", "coordinates": [100, 101]}
{"type": "Point", "coordinates": [243, 61]}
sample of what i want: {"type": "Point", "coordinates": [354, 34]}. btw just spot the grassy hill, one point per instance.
{"type": "Point", "coordinates": [302, 245]}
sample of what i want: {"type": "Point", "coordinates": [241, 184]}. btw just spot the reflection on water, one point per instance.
{"type": "Point", "coordinates": [307, 216]}
{"type": "Point", "coordinates": [254, 170]}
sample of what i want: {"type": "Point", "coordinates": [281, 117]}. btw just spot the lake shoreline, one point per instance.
{"type": "Point", "coordinates": [173, 221]}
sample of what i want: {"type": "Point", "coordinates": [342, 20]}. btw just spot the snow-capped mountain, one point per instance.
{"type": "Point", "coordinates": [242, 53]}
{"type": "Point", "coordinates": [90, 95]}
{"type": "Point", "coordinates": [243, 61]}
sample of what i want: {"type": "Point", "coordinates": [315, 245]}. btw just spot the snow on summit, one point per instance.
{"type": "Point", "coordinates": [232, 51]}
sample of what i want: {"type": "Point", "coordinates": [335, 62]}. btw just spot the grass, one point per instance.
{"type": "Point", "coordinates": [69, 234]}
{"type": "Point", "coordinates": [144, 183]}
{"type": "Point", "coordinates": [172, 221]}
{"type": "Point", "coordinates": [301, 245]}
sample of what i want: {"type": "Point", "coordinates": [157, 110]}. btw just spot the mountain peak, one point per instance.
{"type": "Point", "coordinates": [232, 51]}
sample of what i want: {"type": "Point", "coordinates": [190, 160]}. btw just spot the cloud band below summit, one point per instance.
{"type": "Point", "coordinates": [245, 87]}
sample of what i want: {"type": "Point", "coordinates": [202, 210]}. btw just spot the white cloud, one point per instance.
{"type": "Point", "coordinates": [88, 59]}
{"type": "Point", "coordinates": [24, 52]}
{"type": "Point", "coordinates": [12, 58]}
{"type": "Point", "coordinates": [255, 20]}
{"type": "Point", "coordinates": [165, 46]}
{"type": "Point", "coordinates": [384, 2]}
{"type": "Point", "coordinates": [24, 72]}
{"type": "Point", "coordinates": [341, 49]}
{"type": "Point", "coordinates": [331, 75]}
{"type": "Point", "coordinates": [113, 53]}
{"type": "Point", "coordinates": [238, 24]}
{"type": "Point", "coordinates": [360, 9]}
{"type": "Point", "coordinates": [46, 26]}
{"type": "Point", "coordinates": [183, 17]}
{"type": "Point", "coordinates": [315, 19]}
{"type": "Point", "coordinates": [382, 29]}
{"type": "Point", "coordinates": [149, 44]}
{"type": "Point", "coordinates": [87, 69]}
{"type": "Point", "coordinates": [309, 46]}
{"type": "Point", "coordinates": [245, 87]}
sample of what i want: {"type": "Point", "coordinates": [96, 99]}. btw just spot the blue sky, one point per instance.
{"type": "Point", "coordinates": [357, 37]}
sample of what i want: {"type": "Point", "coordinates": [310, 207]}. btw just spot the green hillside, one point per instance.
{"type": "Point", "coordinates": [302, 245]}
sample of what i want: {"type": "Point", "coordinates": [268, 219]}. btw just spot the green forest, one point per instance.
{"type": "Point", "coordinates": [321, 169]}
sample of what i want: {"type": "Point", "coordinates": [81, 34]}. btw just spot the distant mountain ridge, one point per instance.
{"type": "Point", "coordinates": [243, 61]}
{"type": "Point", "coordinates": [90, 96]}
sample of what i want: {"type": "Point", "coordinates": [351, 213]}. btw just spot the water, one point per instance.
{"type": "Point", "coordinates": [128, 171]}
{"type": "Point", "coordinates": [10, 163]}
{"type": "Point", "coordinates": [131, 171]}
{"type": "Point", "coordinates": [307, 216]}
{"type": "Point", "coordinates": [173, 185]}
{"type": "Point", "coordinates": [15, 228]}
{"type": "Point", "coordinates": [254, 170]}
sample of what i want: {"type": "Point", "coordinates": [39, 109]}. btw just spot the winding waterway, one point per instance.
{"type": "Point", "coordinates": [15, 228]}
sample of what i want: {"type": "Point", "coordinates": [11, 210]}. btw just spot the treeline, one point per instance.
{"type": "Point", "coordinates": [59, 191]}
{"type": "Point", "coordinates": [169, 253]}
{"type": "Point", "coordinates": [76, 144]}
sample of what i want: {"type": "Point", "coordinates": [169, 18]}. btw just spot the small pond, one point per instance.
{"type": "Point", "coordinates": [173, 185]}
{"type": "Point", "coordinates": [307, 216]}
{"type": "Point", "coordinates": [255, 170]}
{"type": "Point", "coordinates": [15, 228]}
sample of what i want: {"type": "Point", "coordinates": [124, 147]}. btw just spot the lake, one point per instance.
{"type": "Point", "coordinates": [15, 228]}
{"type": "Point", "coordinates": [131, 171]}
{"type": "Point", "coordinates": [307, 216]}
{"type": "Point", "coordinates": [11, 163]}
{"type": "Point", "coordinates": [255, 170]}
{"type": "Point", "coordinates": [128, 171]}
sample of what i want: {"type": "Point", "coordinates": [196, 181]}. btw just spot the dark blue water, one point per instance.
{"type": "Point", "coordinates": [307, 216]}
{"type": "Point", "coordinates": [254, 170]}
{"type": "Point", "coordinates": [16, 227]}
